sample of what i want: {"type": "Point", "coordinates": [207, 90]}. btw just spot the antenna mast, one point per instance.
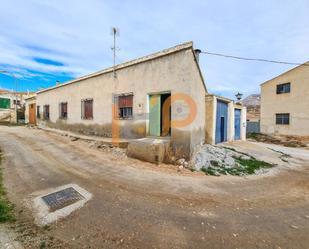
{"type": "Point", "coordinates": [115, 32]}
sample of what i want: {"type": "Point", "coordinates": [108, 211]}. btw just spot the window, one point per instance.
{"type": "Point", "coordinates": [284, 88]}
{"type": "Point", "coordinates": [87, 109]}
{"type": "Point", "coordinates": [14, 102]}
{"type": "Point", "coordinates": [38, 115]}
{"type": "Point", "coordinates": [5, 103]}
{"type": "Point", "coordinates": [124, 106]}
{"type": "Point", "coordinates": [63, 110]}
{"type": "Point", "coordinates": [46, 112]}
{"type": "Point", "coordinates": [282, 118]}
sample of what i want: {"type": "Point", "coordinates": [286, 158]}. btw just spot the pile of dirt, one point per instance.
{"type": "Point", "coordinates": [217, 160]}
{"type": "Point", "coordinates": [287, 141]}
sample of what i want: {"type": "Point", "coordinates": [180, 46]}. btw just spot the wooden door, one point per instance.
{"type": "Point", "coordinates": [32, 114]}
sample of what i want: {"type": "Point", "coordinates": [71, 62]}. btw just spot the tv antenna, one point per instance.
{"type": "Point", "coordinates": [114, 32]}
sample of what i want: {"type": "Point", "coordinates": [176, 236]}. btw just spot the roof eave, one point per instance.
{"type": "Point", "coordinates": [149, 57]}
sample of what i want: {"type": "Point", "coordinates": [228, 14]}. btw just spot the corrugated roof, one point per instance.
{"type": "Point", "coordinates": [164, 52]}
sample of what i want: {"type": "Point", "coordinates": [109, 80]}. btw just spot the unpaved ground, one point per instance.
{"type": "Point", "coordinates": [136, 207]}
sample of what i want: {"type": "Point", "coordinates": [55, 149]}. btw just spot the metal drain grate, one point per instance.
{"type": "Point", "coordinates": [62, 198]}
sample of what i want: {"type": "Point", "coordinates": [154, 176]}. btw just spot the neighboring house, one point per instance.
{"type": "Point", "coordinates": [160, 96]}
{"type": "Point", "coordinates": [8, 100]}
{"type": "Point", "coordinates": [285, 103]}
{"type": "Point", "coordinates": [253, 105]}
{"type": "Point", "coordinates": [7, 105]}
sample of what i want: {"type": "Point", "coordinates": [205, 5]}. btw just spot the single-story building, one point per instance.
{"type": "Point", "coordinates": [160, 96]}
{"type": "Point", "coordinates": [225, 120]}
{"type": "Point", "coordinates": [285, 103]}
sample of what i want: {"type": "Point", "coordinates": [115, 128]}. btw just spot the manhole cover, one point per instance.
{"type": "Point", "coordinates": [62, 198]}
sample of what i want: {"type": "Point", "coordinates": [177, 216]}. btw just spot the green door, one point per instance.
{"type": "Point", "coordinates": [154, 115]}
{"type": "Point", "coordinates": [5, 103]}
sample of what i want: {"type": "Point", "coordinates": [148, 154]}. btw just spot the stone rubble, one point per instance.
{"type": "Point", "coordinates": [215, 156]}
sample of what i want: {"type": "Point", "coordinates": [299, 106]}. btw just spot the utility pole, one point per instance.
{"type": "Point", "coordinates": [115, 32]}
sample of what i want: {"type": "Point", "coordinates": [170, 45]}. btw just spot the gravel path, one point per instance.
{"type": "Point", "coordinates": [138, 205]}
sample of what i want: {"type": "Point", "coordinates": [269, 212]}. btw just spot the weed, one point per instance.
{"type": "Point", "coordinates": [239, 152]}
{"type": "Point", "coordinates": [42, 245]}
{"type": "Point", "coordinates": [229, 148]}
{"type": "Point", "coordinates": [283, 156]}
{"type": "Point", "coordinates": [6, 208]}
{"type": "Point", "coordinates": [280, 152]}
{"type": "Point", "coordinates": [210, 171]}
{"type": "Point", "coordinates": [253, 135]}
{"type": "Point", "coordinates": [214, 163]}
{"type": "Point", "coordinates": [249, 166]}
{"type": "Point", "coordinates": [204, 169]}
{"type": "Point", "coordinates": [244, 167]}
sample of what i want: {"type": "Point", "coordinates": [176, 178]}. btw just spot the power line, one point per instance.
{"type": "Point", "coordinates": [255, 59]}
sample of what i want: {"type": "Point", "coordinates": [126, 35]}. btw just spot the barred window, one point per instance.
{"type": "Point", "coordinates": [87, 109]}
{"type": "Point", "coordinates": [124, 106]}
{"type": "Point", "coordinates": [282, 118]}
{"type": "Point", "coordinates": [46, 112]}
{"type": "Point", "coordinates": [63, 110]}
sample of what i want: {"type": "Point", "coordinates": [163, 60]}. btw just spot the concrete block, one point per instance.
{"type": "Point", "coordinates": [152, 150]}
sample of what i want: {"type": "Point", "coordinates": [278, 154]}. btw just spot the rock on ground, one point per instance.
{"type": "Point", "coordinates": [210, 155]}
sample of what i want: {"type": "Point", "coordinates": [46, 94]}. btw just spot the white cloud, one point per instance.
{"type": "Point", "coordinates": [77, 33]}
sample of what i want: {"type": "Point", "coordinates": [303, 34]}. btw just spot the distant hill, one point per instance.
{"type": "Point", "coordinates": [253, 102]}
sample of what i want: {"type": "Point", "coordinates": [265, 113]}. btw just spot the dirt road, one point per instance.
{"type": "Point", "coordinates": [137, 205]}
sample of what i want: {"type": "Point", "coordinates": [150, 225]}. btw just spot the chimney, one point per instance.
{"type": "Point", "coordinates": [197, 54]}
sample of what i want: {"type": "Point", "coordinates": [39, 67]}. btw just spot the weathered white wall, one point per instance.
{"type": "Point", "coordinates": [177, 73]}
{"type": "Point", "coordinates": [296, 103]}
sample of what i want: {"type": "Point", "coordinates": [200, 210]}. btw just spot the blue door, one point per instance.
{"type": "Point", "coordinates": [237, 123]}
{"type": "Point", "coordinates": [221, 122]}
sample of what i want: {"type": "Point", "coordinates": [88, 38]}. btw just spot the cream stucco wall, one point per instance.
{"type": "Point", "coordinates": [296, 103]}
{"type": "Point", "coordinates": [176, 73]}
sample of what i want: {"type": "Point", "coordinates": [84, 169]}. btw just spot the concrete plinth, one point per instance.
{"type": "Point", "coordinates": [149, 149]}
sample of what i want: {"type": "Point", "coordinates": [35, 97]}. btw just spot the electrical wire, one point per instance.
{"type": "Point", "coordinates": [255, 59]}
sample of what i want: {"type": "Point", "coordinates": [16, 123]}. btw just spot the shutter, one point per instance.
{"type": "Point", "coordinates": [5, 103]}
{"type": "Point", "coordinates": [125, 101]}
{"type": "Point", "coordinates": [88, 109]}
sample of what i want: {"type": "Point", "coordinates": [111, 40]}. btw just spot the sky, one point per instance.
{"type": "Point", "coordinates": [44, 41]}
